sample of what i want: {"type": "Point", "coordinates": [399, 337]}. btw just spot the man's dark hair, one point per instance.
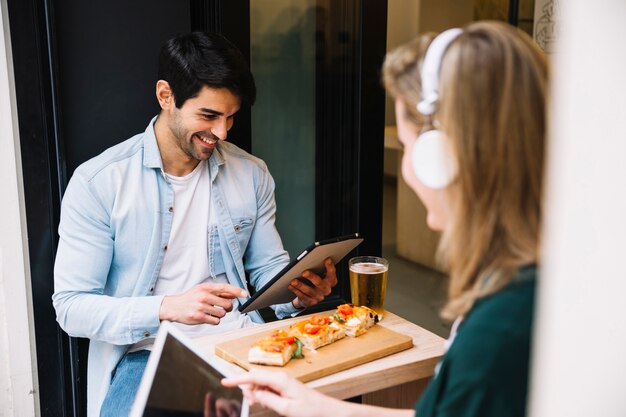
{"type": "Point", "coordinates": [191, 61]}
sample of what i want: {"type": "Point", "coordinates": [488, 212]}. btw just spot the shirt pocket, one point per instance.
{"type": "Point", "coordinates": [243, 230]}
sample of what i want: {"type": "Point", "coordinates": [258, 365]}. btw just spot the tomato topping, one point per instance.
{"type": "Point", "coordinates": [345, 309]}
{"type": "Point", "coordinates": [319, 320]}
{"type": "Point", "coordinates": [311, 328]}
{"type": "Point", "coordinates": [274, 348]}
{"type": "Point", "coordinates": [289, 339]}
{"type": "Point", "coordinates": [281, 336]}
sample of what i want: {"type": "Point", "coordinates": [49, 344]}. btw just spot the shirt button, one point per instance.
{"type": "Point", "coordinates": [146, 333]}
{"type": "Point", "coordinates": [237, 228]}
{"type": "Point", "coordinates": [151, 289]}
{"type": "Point", "coordinates": [171, 209]}
{"type": "Point", "coordinates": [165, 247]}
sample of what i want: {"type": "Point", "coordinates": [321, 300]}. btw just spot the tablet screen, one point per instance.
{"type": "Point", "coordinates": [184, 384]}
{"type": "Point", "coordinates": [277, 291]}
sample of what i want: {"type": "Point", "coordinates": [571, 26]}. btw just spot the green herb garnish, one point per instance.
{"type": "Point", "coordinates": [298, 353]}
{"type": "Point", "coordinates": [339, 318]}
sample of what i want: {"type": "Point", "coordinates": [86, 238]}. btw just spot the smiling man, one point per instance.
{"type": "Point", "coordinates": [171, 224]}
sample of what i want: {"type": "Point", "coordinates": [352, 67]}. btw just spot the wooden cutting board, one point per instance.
{"type": "Point", "coordinates": [343, 354]}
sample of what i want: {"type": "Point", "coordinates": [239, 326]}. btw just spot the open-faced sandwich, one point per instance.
{"type": "Point", "coordinates": [317, 331]}
{"type": "Point", "coordinates": [276, 349]}
{"type": "Point", "coordinates": [355, 319]}
{"type": "Point", "coordinates": [283, 344]}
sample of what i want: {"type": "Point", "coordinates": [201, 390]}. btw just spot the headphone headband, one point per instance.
{"type": "Point", "coordinates": [430, 70]}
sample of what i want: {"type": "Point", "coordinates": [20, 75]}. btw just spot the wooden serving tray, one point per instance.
{"type": "Point", "coordinates": [343, 354]}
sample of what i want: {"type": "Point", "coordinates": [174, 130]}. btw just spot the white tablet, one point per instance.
{"type": "Point", "coordinates": [276, 291]}
{"type": "Point", "coordinates": [181, 381]}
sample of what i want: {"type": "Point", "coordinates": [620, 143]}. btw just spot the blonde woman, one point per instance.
{"type": "Point", "coordinates": [470, 109]}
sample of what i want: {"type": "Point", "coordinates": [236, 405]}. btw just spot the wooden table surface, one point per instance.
{"type": "Point", "coordinates": [383, 381]}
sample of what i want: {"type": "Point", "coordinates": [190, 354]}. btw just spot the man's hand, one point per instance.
{"type": "Point", "coordinates": [204, 303]}
{"type": "Point", "coordinates": [307, 296]}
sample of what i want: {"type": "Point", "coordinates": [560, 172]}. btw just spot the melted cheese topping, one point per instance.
{"type": "Point", "coordinates": [353, 322]}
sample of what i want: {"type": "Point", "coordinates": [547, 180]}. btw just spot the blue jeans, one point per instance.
{"type": "Point", "coordinates": [124, 384]}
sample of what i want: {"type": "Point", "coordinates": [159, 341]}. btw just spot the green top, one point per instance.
{"type": "Point", "coordinates": [485, 371]}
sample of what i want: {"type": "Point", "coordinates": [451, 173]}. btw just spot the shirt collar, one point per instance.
{"type": "Point", "coordinates": [151, 154]}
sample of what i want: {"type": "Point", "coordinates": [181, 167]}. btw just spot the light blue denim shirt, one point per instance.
{"type": "Point", "coordinates": [116, 217]}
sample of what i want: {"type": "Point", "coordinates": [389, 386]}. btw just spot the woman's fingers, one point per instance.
{"type": "Point", "coordinates": [268, 399]}
{"type": "Point", "coordinates": [276, 381]}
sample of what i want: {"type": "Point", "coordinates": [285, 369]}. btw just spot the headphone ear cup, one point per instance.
{"type": "Point", "coordinates": [431, 161]}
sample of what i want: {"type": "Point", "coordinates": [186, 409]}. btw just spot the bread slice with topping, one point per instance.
{"type": "Point", "coordinates": [317, 331]}
{"type": "Point", "coordinates": [276, 349]}
{"type": "Point", "coordinates": [355, 319]}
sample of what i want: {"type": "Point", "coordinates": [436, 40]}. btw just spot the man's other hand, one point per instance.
{"type": "Point", "coordinates": [204, 303]}
{"type": "Point", "coordinates": [306, 295]}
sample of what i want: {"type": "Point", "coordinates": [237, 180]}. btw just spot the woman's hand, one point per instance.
{"type": "Point", "coordinates": [283, 394]}
{"type": "Point", "coordinates": [291, 398]}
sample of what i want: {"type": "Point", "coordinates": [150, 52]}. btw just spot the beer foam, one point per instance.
{"type": "Point", "coordinates": [368, 268]}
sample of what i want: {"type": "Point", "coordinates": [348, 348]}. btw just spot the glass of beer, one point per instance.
{"type": "Point", "coordinates": [368, 282]}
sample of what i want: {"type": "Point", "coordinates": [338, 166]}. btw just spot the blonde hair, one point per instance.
{"type": "Point", "coordinates": [401, 71]}
{"type": "Point", "coordinates": [492, 109]}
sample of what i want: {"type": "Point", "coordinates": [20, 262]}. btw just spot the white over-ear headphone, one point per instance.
{"type": "Point", "coordinates": [432, 163]}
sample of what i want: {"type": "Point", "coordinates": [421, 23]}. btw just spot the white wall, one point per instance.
{"type": "Point", "coordinates": [580, 347]}
{"type": "Point", "coordinates": [18, 372]}
{"type": "Point", "coordinates": [408, 18]}
{"type": "Point", "coordinates": [402, 21]}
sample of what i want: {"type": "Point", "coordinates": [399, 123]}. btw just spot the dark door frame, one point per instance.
{"type": "Point", "coordinates": [44, 179]}
{"type": "Point", "coordinates": [350, 123]}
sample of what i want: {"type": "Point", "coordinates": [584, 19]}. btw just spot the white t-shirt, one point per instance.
{"type": "Point", "coordinates": [187, 261]}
